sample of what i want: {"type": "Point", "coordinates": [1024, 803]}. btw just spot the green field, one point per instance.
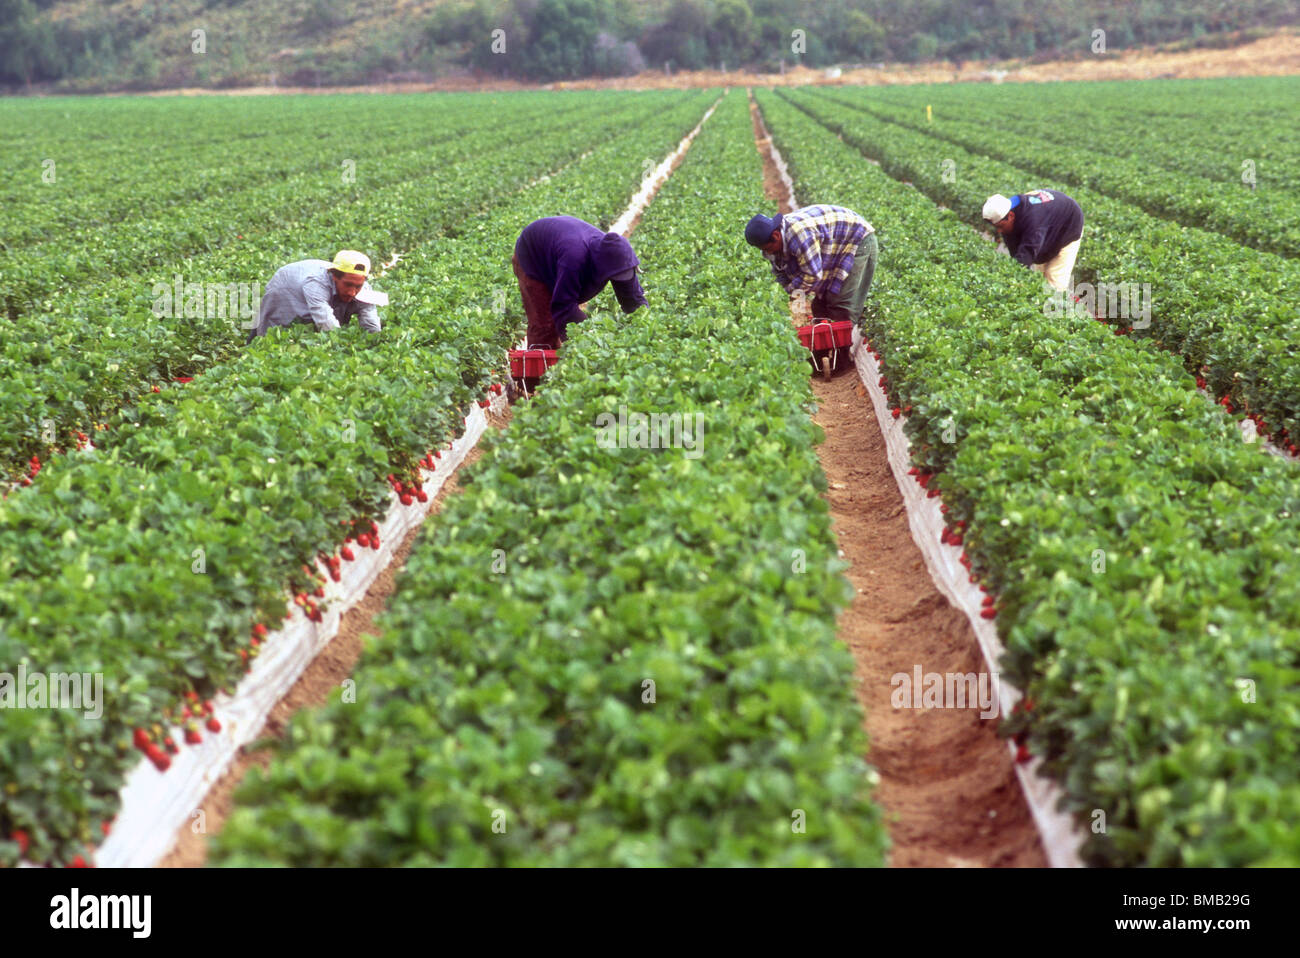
{"type": "Point", "coordinates": [1167, 686]}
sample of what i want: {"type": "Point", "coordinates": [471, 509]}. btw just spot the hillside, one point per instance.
{"type": "Point", "coordinates": [80, 45]}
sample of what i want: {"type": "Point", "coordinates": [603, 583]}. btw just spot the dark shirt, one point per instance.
{"type": "Point", "coordinates": [1046, 221]}
{"type": "Point", "coordinates": [575, 260]}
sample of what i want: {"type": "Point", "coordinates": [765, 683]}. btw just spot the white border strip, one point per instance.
{"type": "Point", "coordinates": [156, 805]}
{"type": "Point", "coordinates": [1060, 835]}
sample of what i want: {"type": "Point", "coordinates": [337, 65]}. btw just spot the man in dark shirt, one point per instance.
{"type": "Point", "coordinates": [1042, 229]}
{"type": "Point", "coordinates": [562, 262]}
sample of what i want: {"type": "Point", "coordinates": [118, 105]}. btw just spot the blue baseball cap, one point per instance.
{"type": "Point", "coordinates": [758, 231]}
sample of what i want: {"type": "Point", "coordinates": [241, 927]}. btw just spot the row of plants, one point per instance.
{"type": "Point", "coordinates": [101, 267]}
{"type": "Point", "coordinates": [1205, 128]}
{"type": "Point", "coordinates": [1139, 558]}
{"type": "Point", "coordinates": [159, 560]}
{"type": "Point", "coordinates": [650, 676]}
{"type": "Point", "coordinates": [66, 177]}
{"type": "Point", "coordinates": [1263, 219]}
{"type": "Point", "coordinates": [1230, 312]}
{"type": "Point", "coordinates": [91, 350]}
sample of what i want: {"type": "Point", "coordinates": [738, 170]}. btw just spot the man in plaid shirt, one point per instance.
{"type": "Point", "coordinates": [827, 251]}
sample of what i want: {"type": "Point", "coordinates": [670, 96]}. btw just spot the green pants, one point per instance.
{"type": "Point", "coordinates": [849, 302]}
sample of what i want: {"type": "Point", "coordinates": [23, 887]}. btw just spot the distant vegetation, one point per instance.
{"type": "Point", "coordinates": [77, 44]}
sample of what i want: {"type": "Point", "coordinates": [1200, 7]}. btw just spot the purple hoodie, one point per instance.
{"type": "Point", "coordinates": [575, 260]}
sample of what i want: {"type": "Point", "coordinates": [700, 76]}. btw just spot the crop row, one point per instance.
{"type": "Point", "coordinates": [1141, 562]}
{"type": "Point", "coordinates": [70, 176]}
{"type": "Point", "coordinates": [645, 681]}
{"type": "Point", "coordinates": [1230, 312]}
{"type": "Point", "coordinates": [1206, 128]}
{"type": "Point", "coordinates": [149, 561]}
{"type": "Point", "coordinates": [1264, 219]}
{"type": "Point", "coordinates": [82, 360]}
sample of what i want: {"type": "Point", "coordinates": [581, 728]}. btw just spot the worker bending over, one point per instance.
{"type": "Point", "coordinates": [326, 293]}
{"type": "Point", "coordinates": [828, 251]}
{"type": "Point", "coordinates": [1042, 230]}
{"type": "Point", "coordinates": [562, 262]}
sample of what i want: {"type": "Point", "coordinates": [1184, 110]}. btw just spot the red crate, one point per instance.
{"type": "Point", "coordinates": [826, 334]}
{"type": "Point", "coordinates": [530, 363]}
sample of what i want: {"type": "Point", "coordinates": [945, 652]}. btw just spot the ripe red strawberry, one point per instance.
{"type": "Point", "coordinates": [484, 403]}
{"type": "Point", "coordinates": [895, 412]}
{"type": "Point", "coordinates": [300, 599]}
{"type": "Point", "coordinates": [347, 554]}
{"type": "Point", "coordinates": [374, 527]}
{"type": "Point", "coordinates": [374, 541]}
{"type": "Point", "coordinates": [78, 862]}
{"type": "Point", "coordinates": [141, 738]}
{"type": "Point", "coordinates": [1022, 754]}
{"type": "Point", "coordinates": [106, 827]}
{"type": "Point", "coordinates": [334, 574]}
{"type": "Point", "coordinates": [259, 630]}
{"type": "Point", "coordinates": [213, 725]}
{"type": "Point", "coordinates": [405, 499]}
{"type": "Point", "coordinates": [914, 471]}
{"type": "Point", "coordinates": [437, 454]}
{"type": "Point", "coordinates": [931, 493]}
{"type": "Point", "coordinates": [209, 707]}
{"type": "Point", "coordinates": [157, 389]}
{"type": "Point", "coordinates": [943, 507]}
{"type": "Point", "coordinates": [943, 536]}
{"type": "Point", "coordinates": [421, 495]}
{"type": "Point", "coordinates": [158, 757]}
{"type": "Point", "coordinates": [192, 696]}
{"type": "Point", "coordinates": [185, 711]}
{"type": "Point", "coordinates": [243, 655]}
{"type": "Point", "coordinates": [192, 735]}
{"type": "Point", "coordinates": [21, 838]}
{"type": "Point", "coordinates": [170, 744]}
{"type": "Point", "coordinates": [25, 481]}
{"type": "Point", "coordinates": [989, 613]}
{"type": "Point", "coordinates": [320, 592]}
{"type": "Point", "coordinates": [987, 601]}
{"type": "Point", "coordinates": [924, 479]}
{"type": "Point", "coordinates": [956, 539]}
{"type": "Point", "coordinates": [1029, 704]}
{"type": "Point", "coordinates": [363, 540]}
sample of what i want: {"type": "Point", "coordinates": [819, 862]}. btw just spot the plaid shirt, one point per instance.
{"type": "Point", "coordinates": [818, 246]}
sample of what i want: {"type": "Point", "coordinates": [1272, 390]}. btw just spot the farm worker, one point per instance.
{"type": "Point", "coordinates": [562, 262]}
{"type": "Point", "coordinates": [326, 293]}
{"type": "Point", "coordinates": [829, 251]}
{"type": "Point", "coordinates": [1042, 229]}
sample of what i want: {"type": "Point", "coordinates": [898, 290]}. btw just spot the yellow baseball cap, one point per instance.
{"type": "Point", "coordinates": [350, 261]}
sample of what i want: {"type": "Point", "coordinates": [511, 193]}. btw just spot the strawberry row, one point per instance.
{"type": "Point", "coordinates": [1211, 129]}
{"type": "Point", "coordinates": [81, 360]}
{"type": "Point", "coordinates": [1230, 312]}
{"type": "Point", "coordinates": [612, 654]}
{"type": "Point", "coordinates": [1267, 220]}
{"type": "Point", "coordinates": [88, 190]}
{"type": "Point", "coordinates": [150, 562]}
{"type": "Point", "coordinates": [1141, 558]}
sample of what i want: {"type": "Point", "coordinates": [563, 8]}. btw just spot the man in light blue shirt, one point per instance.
{"type": "Point", "coordinates": [326, 293]}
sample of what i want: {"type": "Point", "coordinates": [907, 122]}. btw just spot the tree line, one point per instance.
{"type": "Point", "coordinates": [548, 40]}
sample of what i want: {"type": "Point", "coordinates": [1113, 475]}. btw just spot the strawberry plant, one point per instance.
{"type": "Point", "coordinates": [649, 682]}
{"type": "Point", "coordinates": [1141, 556]}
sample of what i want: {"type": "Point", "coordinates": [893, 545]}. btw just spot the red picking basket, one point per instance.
{"type": "Point", "coordinates": [530, 363]}
{"type": "Point", "coordinates": [827, 335]}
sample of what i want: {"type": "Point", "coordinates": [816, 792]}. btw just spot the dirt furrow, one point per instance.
{"type": "Point", "coordinates": [946, 779]}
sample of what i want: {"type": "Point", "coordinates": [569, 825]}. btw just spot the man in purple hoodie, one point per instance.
{"type": "Point", "coordinates": [562, 262]}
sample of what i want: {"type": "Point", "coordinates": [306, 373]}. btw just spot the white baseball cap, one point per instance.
{"type": "Point", "coordinates": [996, 208]}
